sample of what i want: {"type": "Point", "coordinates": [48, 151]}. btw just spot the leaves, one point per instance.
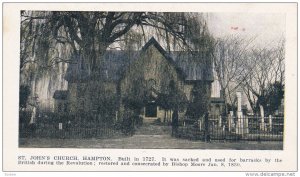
{"type": "Point", "coordinates": [49, 38]}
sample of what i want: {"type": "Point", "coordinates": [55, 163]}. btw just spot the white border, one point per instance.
{"type": "Point", "coordinates": [11, 80]}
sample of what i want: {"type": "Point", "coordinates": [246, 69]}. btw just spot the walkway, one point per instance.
{"type": "Point", "coordinates": [147, 137]}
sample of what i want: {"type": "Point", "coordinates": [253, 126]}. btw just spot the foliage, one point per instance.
{"type": "Point", "coordinates": [107, 107]}
{"type": "Point", "coordinates": [200, 102]}
{"type": "Point", "coordinates": [174, 98]}
{"type": "Point", "coordinates": [265, 67]}
{"type": "Point", "coordinates": [128, 122]}
{"type": "Point", "coordinates": [93, 32]}
{"type": "Point", "coordinates": [239, 64]}
{"type": "Point", "coordinates": [48, 38]}
{"type": "Point", "coordinates": [135, 98]}
{"type": "Point", "coordinates": [24, 118]}
{"type": "Point", "coordinates": [107, 101]}
{"type": "Point", "coordinates": [45, 35]}
{"type": "Point", "coordinates": [132, 102]}
{"type": "Point", "coordinates": [271, 99]}
{"type": "Point", "coordinates": [24, 94]}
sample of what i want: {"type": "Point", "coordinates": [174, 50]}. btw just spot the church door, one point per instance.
{"type": "Point", "coordinates": [151, 110]}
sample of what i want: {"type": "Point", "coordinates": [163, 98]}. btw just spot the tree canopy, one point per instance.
{"type": "Point", "coordinates": [49, 38]}
{"type": "Point", "coordinates": [93, 32]}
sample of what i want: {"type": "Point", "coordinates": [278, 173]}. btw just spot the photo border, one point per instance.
{"type": "Point", "coordinates": [122, 149]}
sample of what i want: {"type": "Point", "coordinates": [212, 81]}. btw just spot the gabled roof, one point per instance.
{"type": "Point", "coordinates": [115, 62]}
{"type": "Point", "coordinates": [153, 42]}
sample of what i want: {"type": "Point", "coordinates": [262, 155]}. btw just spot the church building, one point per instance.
{"type": "Point", "coordinates": [132, 82]}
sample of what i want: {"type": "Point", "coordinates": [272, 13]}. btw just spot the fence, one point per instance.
{"type": "Point", "coordinates": [250, 128]}
{"type": "Point", "coordinates": [60, 131]}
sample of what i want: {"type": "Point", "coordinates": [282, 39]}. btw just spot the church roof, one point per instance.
{"type": "Point", "coordinates": [166, 55]}
{"type": "Point", "coordinates": [115, 62]}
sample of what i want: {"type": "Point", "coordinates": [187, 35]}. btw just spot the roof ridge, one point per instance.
{"type": "Point", "coordinates": [167, 56]}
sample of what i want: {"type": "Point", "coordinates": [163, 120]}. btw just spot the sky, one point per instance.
{"type": "Point", "coordinates": [266, 28]}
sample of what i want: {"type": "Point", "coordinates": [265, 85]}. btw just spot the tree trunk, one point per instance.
{"type": "Point", "coordinates": [225, 100]}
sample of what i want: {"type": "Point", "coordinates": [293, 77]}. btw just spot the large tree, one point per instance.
{"type": "Point", "coordinates": [91, 33]}
{"type": "Point", "coordinates": [48, 39]}
{"type": "Point", "coordinates": [266, 68]}
{"type": "Point", "coordinates": [230, 59]}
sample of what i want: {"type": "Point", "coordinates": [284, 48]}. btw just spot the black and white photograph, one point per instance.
{"type": "Point", "coordinates": [207, 87]}
{"type": "Point", "coordinates": [151, 80]}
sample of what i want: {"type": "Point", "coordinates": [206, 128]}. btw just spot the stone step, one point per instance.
{"type": "Point", "coordinates": [153, 130]}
